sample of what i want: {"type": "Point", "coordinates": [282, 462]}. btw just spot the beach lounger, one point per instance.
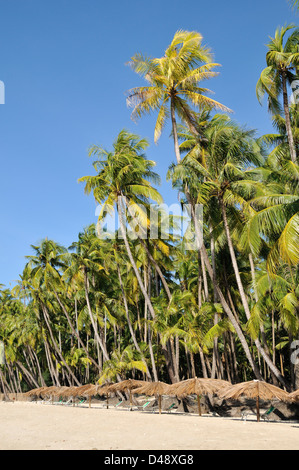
{"type": "Point", "coordinates": [145, 405]}
{"type": "Point", "coordinates": [171, 408]}
{"type": "Point", "coordinates": [81, 401]}
{"type": "Point", "coordinates": [246, 413]}
{"type": "Point", "coordinates": [265, 415]}
{"type": "Point", "coordinates": [119, 403]}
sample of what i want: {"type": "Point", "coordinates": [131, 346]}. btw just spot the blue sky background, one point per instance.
{"type": "Point", "coordinates": [63, 65]}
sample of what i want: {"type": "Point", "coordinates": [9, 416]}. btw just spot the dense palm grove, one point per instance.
{"type": "Point", "coordinates": [108, 308]}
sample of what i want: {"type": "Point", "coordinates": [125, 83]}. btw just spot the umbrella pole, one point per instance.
{"type": "Point", "coordinates": [89, 404]}
{"type": "Point", "coordinates": [257, 408]}
{"type": "Point", "coordinates": [258, 403]}
{"type": "Point", "coordinates": [198, 403]}
{"type": "Point", "coordinates": [130, 400]}
{"type": "Point", "coordinates": [159, 404]}
{"type": "Point", "coordinates": [107, 401]}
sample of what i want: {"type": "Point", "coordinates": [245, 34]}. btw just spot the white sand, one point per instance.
{"type": "Point", "coordinates": [31, 426]}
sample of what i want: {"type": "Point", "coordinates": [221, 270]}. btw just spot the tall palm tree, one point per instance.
{"type": "Point", "coordinates": [44, 269]}
{"type": "Point", "coordinates": [85, 258]}
{"type": "Point", "coordinates": [174, 82]}
{"type": "Point", "coordinates": [282, 65]}
{"type": "Point", "coordinates": [229, 152]}
{"type": "Point", "coordinates": [124, 175]}
{"type": "Point", "coordinates": [177, 73]}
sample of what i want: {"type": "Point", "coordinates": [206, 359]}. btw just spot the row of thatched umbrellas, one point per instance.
{"type": "Point", "coordinates": [257, 389]}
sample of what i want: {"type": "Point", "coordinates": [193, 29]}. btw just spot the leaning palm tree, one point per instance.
{"type": "Point", "coordinates": [282, 64]}
{"type": "Point", "coordinates": [124, 179]}
{"type": "Point", "coordinates": [230, 150]}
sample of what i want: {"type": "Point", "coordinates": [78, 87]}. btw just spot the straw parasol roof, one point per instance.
{"type": "Point", "coordinates": [68, 391]}
{"type": "Point", "coordinates": [126, 385]}
{"type": "Point", "coordinates": [197, 386]}
{"type": "Point", "coordinates": [35, 391]}
{"type": "Point", "coordinates": [91, 391]}
{"type": "Point", "coordinates": [255, 389]}
{"type": "Point", "coordinates": [96, 389]}
{"type": "Point", "coordinates": [78, 391]}
{"type": "Point", "coordinates": [153, 388]}
{"type": "Point", "coordinates": [50, 390]}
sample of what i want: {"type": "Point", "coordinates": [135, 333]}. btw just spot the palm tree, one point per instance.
{"type": "Point", "coordinates": [44, 270]}
{"type": "Point", "coordinates": [229, 152]}
{"type": "Point", "coordinates": [294, 4]}
{"type": "Point", "coordinates": [276, 220]}
{"type": "Point", "coordinates": [282, 63]}
{"type": "Point", "coordinates": [176, 73]}
{"type": "Point", "coordinates": [85, 258]}
{"type": "Point", "coordinates": [174, 81]}
{"type": "Point", "coordinates": [123, 177]}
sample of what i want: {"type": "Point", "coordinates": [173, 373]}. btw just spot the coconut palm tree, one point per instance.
{"type": "Point", "coordinates": [282, 64]}
{"type": "Point", "coordinates": [229, 152]}
{"type": "Point", "coordinates": [124, 176]}
{"type": "Point", "coordinates": [180, 64]}
{"type": "Point", "coordinates": [174, 83]}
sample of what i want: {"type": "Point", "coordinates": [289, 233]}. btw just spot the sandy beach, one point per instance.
{"type": "Point", "coordinates": [32, 426]}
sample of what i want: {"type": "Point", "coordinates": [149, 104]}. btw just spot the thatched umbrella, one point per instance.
{"type": "Point", "coordinates": [97, 390]}
{"type": "Point", "coordinates": [197, 386]}
{"type": "Point", "coordinates": [51, 391]}
{"type": "Point", "coordinates": [69, 392]}
{"type": "Point", "coordinates": [91, 391]}
{"type": "Point", "coordinates": [35, 392]}
{"type": "Point", "coordinates": [127, 386]}
{"type": "Point", "coordinates": [48, 390]}
{"type": "Point", "coordinates": [153, 388]}
{"type": "Point", "coordinates": [78, 391]}
{"type": "Point", "coordinates": [255, 389]}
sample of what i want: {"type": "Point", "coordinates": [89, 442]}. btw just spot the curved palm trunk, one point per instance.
{"type": "Point", "coordinates": [151, 258]}
{"type": "Point", "coordinates": [75, 333]}
{"type": "Point", "coordinates": [44, 309]}
{"type": "Point", "coordinates": [272, 367]}
{"type": "Point", "coordinates": [102, 345]}
{"type": "Point", "coordinates": [209, 268]}
{"type": "Point", "coordinates": [130, 324]}
{"type": "Point", "coordinates": [132, 261]}
{"type": "Point", "coordinates": [120, 208]}
{"type": "Point", "coordinates": [287, 118]}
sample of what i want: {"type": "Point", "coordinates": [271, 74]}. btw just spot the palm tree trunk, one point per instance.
{"type": "Point", "coordinates": [252, 269]}
{"type": "Point", "coordinates": [102, 345]}
{"type": "Point", "coordinates": [287, 117]}
{"type": "Point", "coordinates": [132, 261]}
{"type": "Point", "coordinates": [243, 295]}
{"type": "Point", "coordinates": [75, 333]}
{"type": "Point", "coordinates": [54, 376]}
{"type": "Point", "coordinates": [56, 347]}
{"type": "Point", "coordinates": [175, 131]}
{"type": "Point", "coordinates": [206, 260]}
{"type": "Point", "coordinates": [151, 258]}
{"type": "Point", "coordinates": [129, 322]}
{"type": "Point", "coordinates": [225, 306]}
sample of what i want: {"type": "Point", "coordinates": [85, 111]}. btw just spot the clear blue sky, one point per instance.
{"type": "Point", "coordinates": [63, 65]}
